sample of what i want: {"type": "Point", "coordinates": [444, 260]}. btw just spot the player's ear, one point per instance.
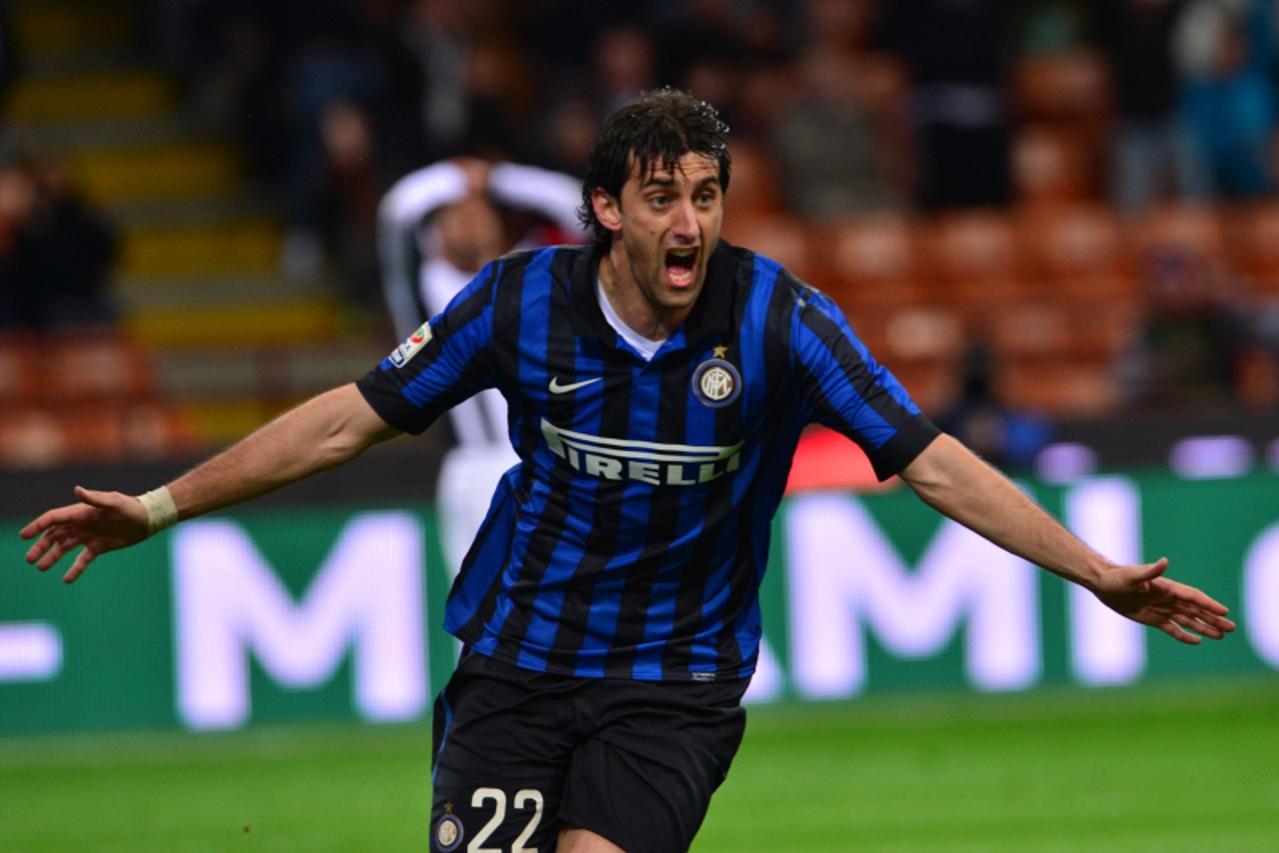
{"type": "Point", "coordinates": [608, 210]}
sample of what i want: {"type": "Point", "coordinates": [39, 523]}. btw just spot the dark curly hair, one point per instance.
{"type": "Point", "coordinates": [657, 130]}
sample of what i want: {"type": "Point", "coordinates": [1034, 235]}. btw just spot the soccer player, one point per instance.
{"type": "Point", "coordinates": [657, 383]}
{"type": "Point", "coordinates": [436, 227]}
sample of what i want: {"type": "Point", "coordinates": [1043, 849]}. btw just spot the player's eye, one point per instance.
{"type": "Point", "coordinates": [658, 200]}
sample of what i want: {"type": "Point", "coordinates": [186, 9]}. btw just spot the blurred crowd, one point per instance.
{"type": "Point", "coordinates": [844, 107]}
{"type": "Point", "coordinates": [863, 104]}
{"type": "Point", "coordinates": [56, 249]}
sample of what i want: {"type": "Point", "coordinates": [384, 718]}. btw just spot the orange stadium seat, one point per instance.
{"type": "Point", "coordinates": [19, 369]}
{"type": "Point", "coordinates": [979, 245]}
{"type": "Point", "coordinates": [1052, 166]}
{"type": "Point", "coordinates": [156, 430]}
{"type": "Point", "coordinates": [95, 365]}
{"type": "Point", "coordinates": [34, 437]}
{"type": "Point", "coordinates": [1068, 332]}
{"type": "Point", "coordinates": [1254, 245]}
{"type": "Point", "coordinates": [1196, 228]}
{"type": "Point", "coordinates": [30, 438]}
{"type": "Point", "coordinates": [1036, 330]}
{"type": "Point", "coordinates": [923, 333]}
{"type": "Point", "coordinates": [873, 262]}
{"type": "Point", "coordinates": [1056, 388]}
{"type": "Point", "coordinates": [1072, 241]}
{"type": "Point", "coordinates": [1115, 293]}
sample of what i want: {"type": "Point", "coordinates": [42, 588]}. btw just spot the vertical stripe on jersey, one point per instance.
{"type": "Point", "coordinates": [491, 550]}
{"type": "Point", "coordinates": [672, 512]}
{"type": "Point", "coordinates": [553, 557]}
{"type": "Point", "coordinates": [478, 580]}
{"type": "Point", "coordinates": [478, 584]}
{"type": "Point", "coordinates": [732, 581]}
{"type": "Point", "coordinates": [739, 635]}
{"type": "Point", "coordinates": [533, 326]}
{"type": "Point", "coordinates": [585, 558]}
{"type": "Point", "coordinates": [628, 534]}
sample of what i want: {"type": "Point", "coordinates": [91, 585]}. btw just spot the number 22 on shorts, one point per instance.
{"type": "Point", "coordinates": [448, 831]}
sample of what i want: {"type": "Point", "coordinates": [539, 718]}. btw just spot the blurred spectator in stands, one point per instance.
{"type": "Point", "coordinates": [827, 147]}
{"type": "Point", "coordinates": [957, 53]}
{"type": "Point", "coordinates": [979, 417]}
{"type": "Point", "coordinates": [436, 227]}
{"type": "Point", "coordinates": [1153, 155]}
{"type": "Point", "coordinates": [22, 302]}
{"type": "Point", "coordinates": [346, 199]}
{"type": "Point", "coordinates": [705, 32]}
{"type": "Point", "coordinates": [439, 224]}
{"type": "Point", "coordinates": [1190, 346]}
{"type": "Point", "coordinates": [80, 249]}
{"type": "Point", "coordinates": [1227, 55]}
{"type": "Point", "coordinates": [476, 86]}
{"type": "Point", "coordinates": [56, 251]}
{"type": "Point", "coordinates": [334, 87]}
{"type": "Point", "coordinates": [624, 66]}
{"type": "Point", "coordinates": [567, 133]}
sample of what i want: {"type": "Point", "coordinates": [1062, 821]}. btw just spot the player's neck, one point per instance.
{"type": "Point", "coordinates": [624, 294]}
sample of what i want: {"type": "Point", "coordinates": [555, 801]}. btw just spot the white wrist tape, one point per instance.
{"type": "Point", "coordinates": [162, 512]}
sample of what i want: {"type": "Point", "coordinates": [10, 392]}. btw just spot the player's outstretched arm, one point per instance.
{"type": "Point", "coordinates": [321, 433]}
{"type": "Point", "coordinates": [954, 481]}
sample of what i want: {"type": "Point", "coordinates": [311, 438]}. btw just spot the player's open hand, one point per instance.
{"type": "Point", "coordinates": [1144, 595]}
{"type": "Point", "coordinates": [101, 522]}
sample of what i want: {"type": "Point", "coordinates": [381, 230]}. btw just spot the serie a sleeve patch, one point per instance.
{"type": "Point", "coordinates": [413, 344]}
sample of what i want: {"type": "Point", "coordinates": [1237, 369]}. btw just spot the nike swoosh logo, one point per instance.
{"type": "Point", "coordinates": [557, 388]}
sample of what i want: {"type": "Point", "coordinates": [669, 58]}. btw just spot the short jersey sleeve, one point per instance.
{"type": "Point", "coordinates": [844, 388]}
{"type": "Point", "coordinates": [441, 364]}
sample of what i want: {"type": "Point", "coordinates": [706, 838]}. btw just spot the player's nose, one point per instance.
{"type": "Point", "coordinates": [685, 224]}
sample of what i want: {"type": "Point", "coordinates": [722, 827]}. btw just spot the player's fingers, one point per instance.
{"type": "Point", "coordinates": [82, 561]}
{"type": "Point", "coordinates": [1200, 599]}
{"type": "Point", "coordinates": [1221, 623]}
{"type": "Point", "coordinates": [1190, 623]}
{"type": "Point", "coordinates": [44, 544]}
{"type": "Point", "coordinates": [46, 520]}
{"type": "Point", "coordinates": [41, 545]}
{"type": "Point", "coordinates": [1172, 629]}
{"type": "Point", "coordinates": [57, 549]}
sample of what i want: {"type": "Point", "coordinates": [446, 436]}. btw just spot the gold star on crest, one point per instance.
{"type": "Point", "coordinates": [720, 351]}
{"type": "Point", "coordinates": [448, 807]}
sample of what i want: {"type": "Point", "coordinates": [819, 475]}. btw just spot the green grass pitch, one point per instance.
{"type": "Point", "coordinates": [1191, 766]}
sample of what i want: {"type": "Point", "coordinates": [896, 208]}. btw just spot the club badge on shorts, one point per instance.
{"type": "Point", "coordinates": [716, 382]}
{"type": "Point", "coordinates": [448, 833]}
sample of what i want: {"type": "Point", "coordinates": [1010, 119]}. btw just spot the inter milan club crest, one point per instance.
{"type": "Point", "coordinates": [716, 382]}
{"type": "Point", "coordinates": [448, 833]}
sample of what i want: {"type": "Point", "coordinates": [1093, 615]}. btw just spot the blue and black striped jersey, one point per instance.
{"type": "Point", "coordinates": [631, 538]}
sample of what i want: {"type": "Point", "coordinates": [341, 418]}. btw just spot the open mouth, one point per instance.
{"type": "Point", "coordinates": [680, 264]}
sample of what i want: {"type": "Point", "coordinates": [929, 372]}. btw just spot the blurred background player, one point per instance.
{"type": "Point", "coordinates": [436, 227]}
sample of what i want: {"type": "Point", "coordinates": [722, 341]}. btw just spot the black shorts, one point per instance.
{"type": "Point", "coordinates": [519, 753]}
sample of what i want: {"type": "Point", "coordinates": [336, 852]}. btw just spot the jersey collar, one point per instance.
{"type": "Point", "coordinates": [712, 315]}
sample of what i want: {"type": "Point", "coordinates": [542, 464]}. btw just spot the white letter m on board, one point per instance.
{"type": "Point", "coordinates": [846, 578]}
{"type": "Point", "coordinates": [365, 597]}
